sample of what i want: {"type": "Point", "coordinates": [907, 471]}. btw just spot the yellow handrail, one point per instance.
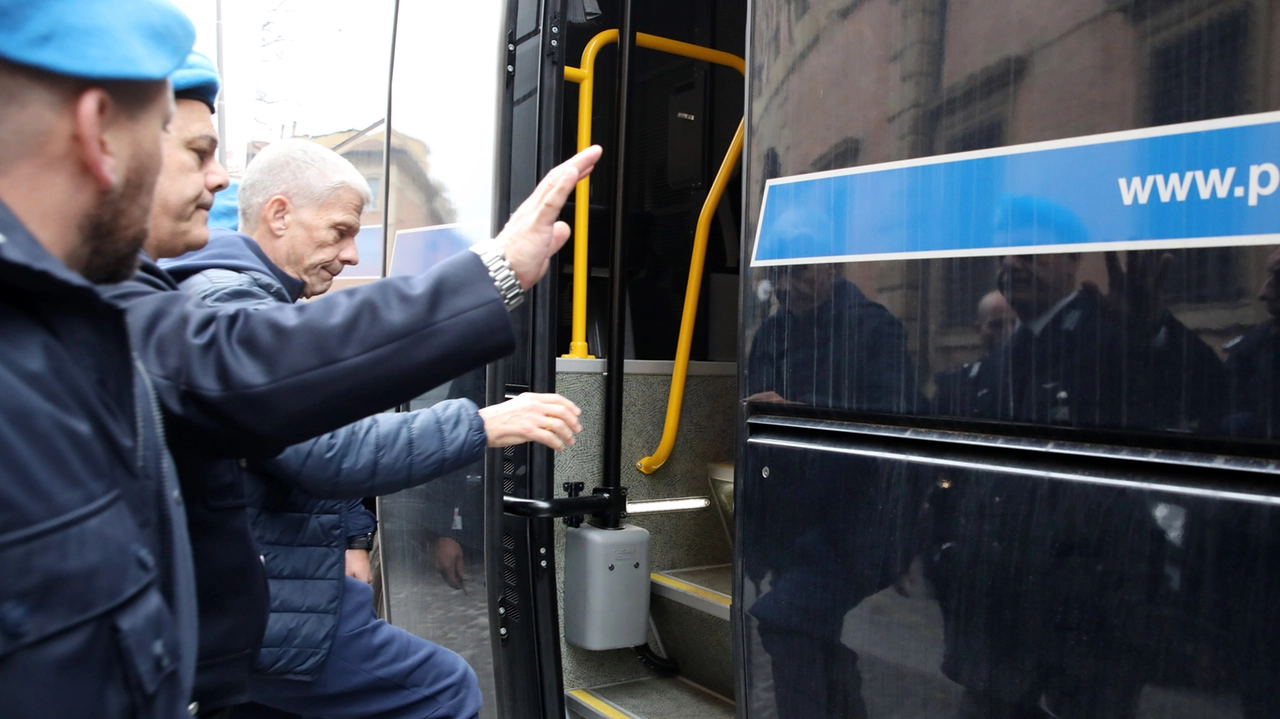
{"type": "Point", "coordinates": [675, 401]}
{"type": "Point", "coordinates": [585, 77]}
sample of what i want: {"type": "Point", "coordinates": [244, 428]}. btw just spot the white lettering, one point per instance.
{"type": "Point", "coordinates": [1217, 184]}
{"type": "Point", "coordinates": [1257, 190]}
{"type": "Point", "coordinates": [1137, 189]}
{"type": "Point", "coordinates": [1177, 186]}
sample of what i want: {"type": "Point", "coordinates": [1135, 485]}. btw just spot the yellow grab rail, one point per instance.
{"type": "Point", "coordinates": [675, 401]}
{"type": "Point", "coordinates": [584, 76]}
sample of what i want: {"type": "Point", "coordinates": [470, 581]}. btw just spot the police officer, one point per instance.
{"type": "Point", "coordinates": [97, 613]}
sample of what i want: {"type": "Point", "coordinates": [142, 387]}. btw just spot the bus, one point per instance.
{"type": "Point", "coordinates": [926, 351]}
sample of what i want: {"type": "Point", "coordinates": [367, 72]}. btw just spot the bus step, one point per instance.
{"type": "Point", "coordinates": [706, 589]}
{"type": "Point", "coordinates": [660, 698]}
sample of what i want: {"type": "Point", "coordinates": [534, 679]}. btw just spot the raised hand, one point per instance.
{"type": "Point", "coordinates": [534, 232]}
{"type": "Point", "coordinates": [1135, 291]}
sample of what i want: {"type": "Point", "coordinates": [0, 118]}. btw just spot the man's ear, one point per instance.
{"type": "Point", "coordinates": [94, 110]}
{"type": "Point", "coordinates": [278, 214]}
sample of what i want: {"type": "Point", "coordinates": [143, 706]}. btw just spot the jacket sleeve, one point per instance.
{"type": "Point", "coordinates": [356, 520]}
{"type": "Point", "coordinates": [384, 453]}
{"type": "Point", "coordinates": [249, 381]}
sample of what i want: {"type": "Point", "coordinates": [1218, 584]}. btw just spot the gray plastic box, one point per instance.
{"type": "Point", "coordinates": [606, 587]}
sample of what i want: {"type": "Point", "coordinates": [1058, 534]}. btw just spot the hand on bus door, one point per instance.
{"type": "Point", "coordinates": [534, 233]}
{"type": "Point", "coordinates": [544, 418]}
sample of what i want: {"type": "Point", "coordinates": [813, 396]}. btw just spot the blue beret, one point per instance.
{"type": "Point", "coordinates": [1039, 215]}
{"type": "Point", "coordinates": [196, 79]}
{"type": "Point", "coordinates": [96, 39]}
{"type": "Point", "coordinates": [226, 210]}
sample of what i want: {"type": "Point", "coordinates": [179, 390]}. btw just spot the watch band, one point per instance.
{"type": "Point", "coordinates": [364, 541]}
{"type": "Point", "coordinates": [504, 278]}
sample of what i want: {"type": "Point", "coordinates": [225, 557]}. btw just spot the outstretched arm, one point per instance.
{"type": "Point", "coordinates": [252, 381]}
{"type": "Point", "coordinates": [386, 453]}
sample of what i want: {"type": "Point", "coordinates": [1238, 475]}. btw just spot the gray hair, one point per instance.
{"type": "Point", "coordinates": [300, 170]}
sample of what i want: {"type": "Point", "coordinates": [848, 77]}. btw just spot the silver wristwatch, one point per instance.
{"type": "Point", "coordinates": [504, 278]}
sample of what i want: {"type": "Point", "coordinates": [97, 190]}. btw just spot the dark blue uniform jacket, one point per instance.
{"type": "Point", "coordinates": [303, 504]}
{"type": "Point", "coordinates": [97, 608]}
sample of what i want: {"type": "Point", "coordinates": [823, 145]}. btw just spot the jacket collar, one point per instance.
{"type": "Point", "coordinates": [229, 250]}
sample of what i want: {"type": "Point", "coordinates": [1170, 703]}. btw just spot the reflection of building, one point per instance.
{"type": "Point", "coordinates": [416, 199]}
{"type": "Point", "coordinates": [941, 76]}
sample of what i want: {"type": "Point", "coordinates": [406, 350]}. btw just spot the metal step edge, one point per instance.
{"type": "Point", "coordinates": [586, 703]}
{"type": "Point", "coordinates": [707, 601]}
{"type": "Point", "coordinates": [589, 704]}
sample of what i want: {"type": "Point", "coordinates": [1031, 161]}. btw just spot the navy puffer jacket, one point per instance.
{"type": "Point", "coordinates": [303, 504]}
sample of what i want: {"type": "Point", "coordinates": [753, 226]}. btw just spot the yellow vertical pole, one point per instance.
{"type": "Point", "coordinates": [585, 77]}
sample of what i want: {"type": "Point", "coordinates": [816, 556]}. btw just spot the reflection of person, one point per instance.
{"type": "Point", "coordinates": [830, 534]}
{"type": "Point", "coordinates": [1019, 566]}
{"type": "Point", "coordinates": [829, 346]}
{"type": "Point", "coordinates": [1084, 359]}
{"type": "Point", "coordinates": [453, 514]}
{"type": "Point", "coordinates": [301, 205]}
{"type": "Point", "coordinates": [1253, 368]}
{"type": "Point", "coordinates": [1249, 541]}
{"type": "Point", "coordinates": [995, 322]}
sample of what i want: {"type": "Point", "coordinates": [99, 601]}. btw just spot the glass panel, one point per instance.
{"type": "Point", "coordinates": [889, 588]}
{"type": "Point", "coordinates": [444, 95]}
{"type": "Point", "coordinates": [1126, 343]}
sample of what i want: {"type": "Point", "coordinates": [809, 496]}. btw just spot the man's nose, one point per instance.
{"type": "Point", "coordinates": [216, 179]}
{"type": "Point", "coordinates": [350, 254]}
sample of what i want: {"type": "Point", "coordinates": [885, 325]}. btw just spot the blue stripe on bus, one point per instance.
{"type": "Point", "coordinates": [1202, 184]}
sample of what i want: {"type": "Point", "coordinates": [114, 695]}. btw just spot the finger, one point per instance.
{"type": "Point", "coordinates": [462, 569]}
{"type": "Point", "coordinates": [560, 185]}
{"type": "Point", "coordinates": [585, 161]}
{"type": "Point", "coordinates": [537, 200]}
{"type": "Point", "coordinates": [565, 415]}
{"type": "Point", "coordinates": [1115, 273]}
{"type": "Point", "coordinates": [560, 400]}
{"type": "Point", "coordinates": [1136, 265]}
{"type": "Point", "coordinates": [547, 437]}
{"type": "Point", "coordinates": [562, 430]}
{"type": "Point", "coordinates": [1162, 272]}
